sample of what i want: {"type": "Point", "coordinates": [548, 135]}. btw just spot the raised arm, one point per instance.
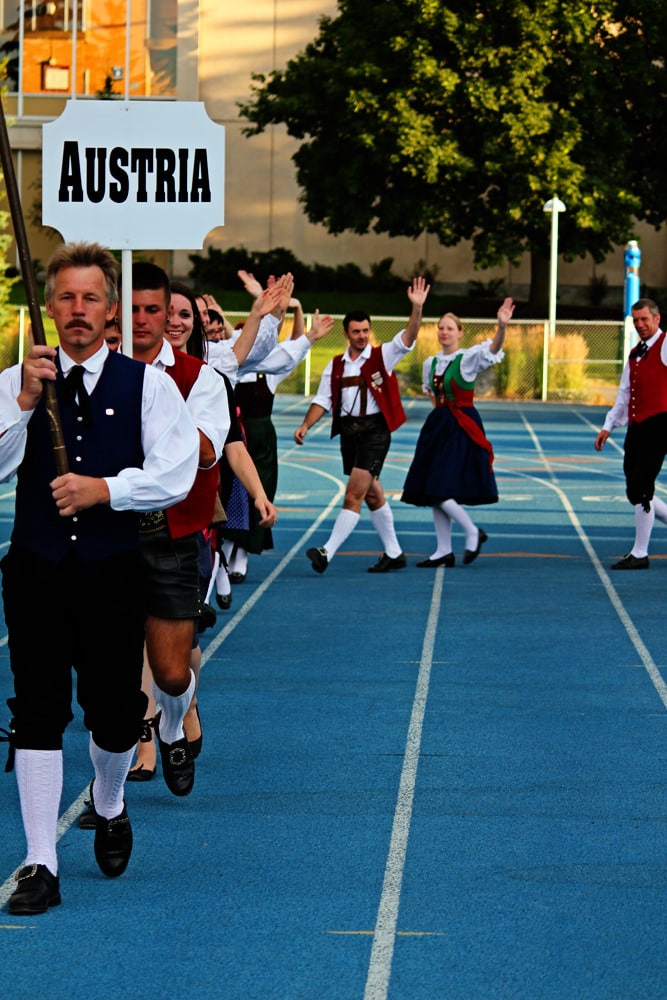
{"type": "Point", "coordinates": [319, 327]}
{"type": "Point", "coordinates": [504, 314]}
{"type": "Point", "coordinates": [417, 293]}
{"type": "Point", "coordinates": [265, 303]}
{"type": "Point", "coordinates": [298, 323]}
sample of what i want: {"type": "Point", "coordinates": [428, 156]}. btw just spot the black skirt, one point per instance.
{"type": "Point", "coordinates": [448, 465]}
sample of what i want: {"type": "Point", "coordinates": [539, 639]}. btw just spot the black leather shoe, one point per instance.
{"type": "Point", "coordinates": [140, 773]}
{"type": "Point", "coordinates": [318, 559]}
{"type": "Point", "coordinates": [386, 565]}
{"type": "Point", "coordinates": [237, 577]}
{"type": "Point", "coordinates": [178, 766]}
{"type": "Point", "coordinates": [36, 891]}
{"type": "Point", "coordinates": [88, 818]}
{"type": "Point", "coordinates": [448, 560]}
{"type": "Point", "coordinates": [207, 617]}
{"type": "Point", "coordinates": [471, 554]}
{"type": "Point", "coordinates": [632, 562]}
{"type": "Point", "coordinates": [224, 601]}
{"type": "Point", "coordinates": [113, 844]}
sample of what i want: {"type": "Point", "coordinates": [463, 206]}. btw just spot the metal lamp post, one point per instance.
{"type": "Point", "coordinates": [555, 206]}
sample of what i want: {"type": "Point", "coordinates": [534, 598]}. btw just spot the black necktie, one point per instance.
{"type": "Point", "coordinates": [640, 350]}
{"type": "Point", "coordinates": [74, 388]}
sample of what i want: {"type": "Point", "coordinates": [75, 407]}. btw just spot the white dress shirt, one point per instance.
{"type": "Point", "coordinates": [392, 352]}
{"type": "Point", "coordinates": [221, 356]}
{"type": "Point", "coordinates": [279, 363]}
{"type": "Point", "coordinates": [207, 401]}
{"type": "Point", "coordinates": [169, 437]}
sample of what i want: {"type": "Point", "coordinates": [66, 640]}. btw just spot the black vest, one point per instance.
{"type": "Point", "coordinates": [111, 442]}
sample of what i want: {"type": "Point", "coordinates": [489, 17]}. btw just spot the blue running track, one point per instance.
{"type": "Point", "coordinates": [424, 785]}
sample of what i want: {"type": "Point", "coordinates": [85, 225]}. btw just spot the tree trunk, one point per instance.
{"type": "Point", "coordinates": [539, 286]}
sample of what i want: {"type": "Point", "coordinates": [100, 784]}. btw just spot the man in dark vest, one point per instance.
{"type": "Point", "coordinates": [641, 403]}
{"type": "Point", "coordinates": [75, 543]}
{"type": "Point", "coordinates": [360, 389]}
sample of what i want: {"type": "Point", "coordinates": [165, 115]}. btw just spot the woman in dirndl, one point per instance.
{"type": "Point", "coordinates": [453, 460]}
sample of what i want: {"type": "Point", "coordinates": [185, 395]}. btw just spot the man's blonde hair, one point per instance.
{"type": "Point", "coordinates": [83, 255]}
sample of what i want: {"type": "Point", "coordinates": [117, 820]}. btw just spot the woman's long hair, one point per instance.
{"type": "Point", "coordinates": [196, 343]}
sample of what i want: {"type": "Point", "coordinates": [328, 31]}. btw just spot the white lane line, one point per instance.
{"type": "Point", "coordinates": [384, 936]}
{"type": "Point", "coordinates": [629, 626]}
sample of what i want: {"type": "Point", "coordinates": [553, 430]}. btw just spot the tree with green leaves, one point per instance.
{"type": "Point", "coordinates": [463, 118]}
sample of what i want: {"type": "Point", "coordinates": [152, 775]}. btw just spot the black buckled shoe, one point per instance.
{"type": "Point", "coordinates": [386, 565]}
{"type": "Point", "coordinates": [113, 844]}
{"type": "Point", "coordinates": [178, 766]}
{"type": "Point", "coordinates": [36, 891]}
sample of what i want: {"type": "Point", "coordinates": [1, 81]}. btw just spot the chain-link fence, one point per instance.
{"type": "Point", "coordinates": [582, 361]}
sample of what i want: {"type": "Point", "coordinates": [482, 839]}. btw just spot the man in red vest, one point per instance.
{"type": "Point", "coordinates": [641, 403]}
{"type": "Point", "coordinates": [170, 542]}
{"type": "Point", "coordinates": [360, 390]}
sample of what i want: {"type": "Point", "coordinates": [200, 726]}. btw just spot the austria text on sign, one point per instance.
{"type": "Point", "coordinates": [134, 175]}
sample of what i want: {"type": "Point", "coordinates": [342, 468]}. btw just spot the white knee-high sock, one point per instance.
{"type": "Point", "coordinates": [238, 561]}
{"type": "Point", "coordinates": [39, 776]}
{"type": "Point", "coordinates": [443, 533]}
{"type": "Point", "coordinates": [383, 522]}
{"type": "Point", "coordinates": [110, 774]}
{"type": "Point", "coordinates": [222, 582]}
{"type": "Point", "coordinates": [659, 509]}
{"type": "Point", "coordinates": [464, 521]}
{"type": "Point", "coordinates": [173, 709]}
{"type": "Point", "coordinates": [643, 527]}
{"type": "Point", "coordinates": [344, 525]}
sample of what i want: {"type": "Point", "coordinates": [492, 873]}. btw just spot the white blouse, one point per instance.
{"type": "Point", "coordinates": [476, 359]}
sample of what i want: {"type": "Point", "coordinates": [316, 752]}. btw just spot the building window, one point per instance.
{"type": "Point", "coordinates": [86, 43]}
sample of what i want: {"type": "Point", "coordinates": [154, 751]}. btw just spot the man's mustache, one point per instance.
{"type": "Point", "coordinates": [78, 323]}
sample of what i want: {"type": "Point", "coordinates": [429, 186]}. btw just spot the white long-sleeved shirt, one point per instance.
{"type": "Point", "coordinates": [207, 400]}
{"type": "Point", "coordinates": [393, 351]}
{"type": "Point", "coordinates": [221, 355]}
{"type": "Point", "coordinates": [476, 359]}
{"type": "Point", "coordinates": [279, 363]}
{"type": "Point", "coordinates": [169, 437]}
{"type": "Point", "coordinates": [618, 414]}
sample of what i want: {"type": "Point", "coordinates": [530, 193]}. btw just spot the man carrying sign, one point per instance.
{"type": "Point", "coordinates": [76, 541]}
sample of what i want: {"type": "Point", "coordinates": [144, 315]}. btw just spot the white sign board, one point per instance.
{"type": "Point", "coordinates": [134, 174]}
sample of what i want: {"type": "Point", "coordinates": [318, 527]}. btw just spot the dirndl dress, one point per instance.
{"type": "Point", "coordinates": [453, 459]}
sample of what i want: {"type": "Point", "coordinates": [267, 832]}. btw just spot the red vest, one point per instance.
{"type": "Point", "coordinates": [648, 385]}
{"type": "Point", "coordinates": [197, 510]}
{"type": "Point", "coordinates": [382, 386]}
